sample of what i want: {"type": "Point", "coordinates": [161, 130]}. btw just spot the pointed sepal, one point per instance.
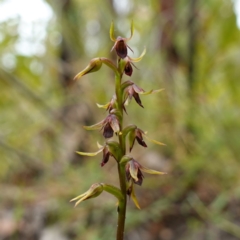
{"type": "Point", "coordinates": [139, 58]}
{"type": "Point", "coordinates": [94, 126]}
{"type": "Point", "coordinates": [133, 197]}
{"type": "Point", "coordinates": [92, 154]}
{"type": "Point", "coordinates": [151, 91]}
{"type": "Point", "coordinates": [111, 32]}
{"type": "Point", "coordinates": [132, 31]}
{"type": "Point", "coordinates": [154, 141]}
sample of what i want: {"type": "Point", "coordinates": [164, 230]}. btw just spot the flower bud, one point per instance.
{"type": "Point", "coordinates": [94, 65]}
{"type": "Point", "coordinates": [94, 191]}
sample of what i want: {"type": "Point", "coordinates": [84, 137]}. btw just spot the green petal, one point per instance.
{"type": "Point", "coordinates": [127, 101]}
{"type": "Point", "coordinates": [154, 141]}
{"type": "Point", "coordinates": [132, 30]}
{"type": "Point", "coordinates": [150, 171]}
{"type": "Point", "coordinates": [125, 159]}
{"type": "Point", "coordinates": [152, 91]}
{"type": "Point", "coordinates": [112, 37]}
{"type": "Point", "coordinates": [115, 149]}
{"type": "Point", "coordinates": [90, 154]}
{"type": "Point", "coordinates": [103, 106]}
{"type": "Point", "coordinates": [128, 128]}
{"type": "Point", "coordinates": [99, 145]}
{"type": "Point", "coordinates": [115, 125]}
{"type": "Point", "coordinates": [131, 138]}
{"type": "Point", "coordinates": [139, 58]}
{"type": "Point", "coordinates": [80, 201]}
{"type": "Point", "coordinates": [133, 196]}
{"type": "Point", "coordinates": [80, 196]}
{"type": "Point", "coordinates": [133, 171]}
{"type": "Point", "coordinates": [126, 84]}
{"type": "Point", "coordinates": [94, 127]}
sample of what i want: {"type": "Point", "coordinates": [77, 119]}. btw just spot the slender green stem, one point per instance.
{"type": "Point", "coordinates": [121, 169]}
{"type": "Point", "coordinates": [122, 204]}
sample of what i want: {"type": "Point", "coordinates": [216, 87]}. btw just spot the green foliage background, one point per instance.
{"type": "Point", "coordinates": [197, 116]}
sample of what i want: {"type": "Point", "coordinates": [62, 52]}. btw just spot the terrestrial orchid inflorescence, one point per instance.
{"type": "Point", "coordinates": [130, 170]}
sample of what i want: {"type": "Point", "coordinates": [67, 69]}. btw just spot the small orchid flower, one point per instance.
{"type": "Point", "coordinates": [109, 125]}
{"type": "Point", "coordinates": [133, 91]}
{"type": "Point", "coordinates": [108, 151]}
{"type": "Point", "coordinates": [136, 134]}
{"type": "Point", "coordinates": [110, 105]}
{"type": "Point", "coordinates": [134, 171]}
{"type": "Point", "coordinates": [129, 63]}
{"type": "Point", "coordinates": [120, 43]}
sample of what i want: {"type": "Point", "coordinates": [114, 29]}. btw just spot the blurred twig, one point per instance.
{"type": "Point", "coordinates": [192, 42]}
{"type": "Point", "coordinates": [27, 92]}
{"type": "Point", "coordinates": [18, 152]}
{"type": "Point", "coordinates": [212, 216]}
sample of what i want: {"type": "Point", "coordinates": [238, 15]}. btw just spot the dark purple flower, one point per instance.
{"type": "Point", "coordinates": [133, 91]}
{"type": "Point", "coordinates": [121, 47]}
{"type": "Point", "coordinates": [136, 134]}
{"type": "Point", "coordinates": [133, 172]}
{"type": "Point", "coordinates": [110, 125]}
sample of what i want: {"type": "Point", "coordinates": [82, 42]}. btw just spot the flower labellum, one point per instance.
{"type": "Point", "coordinates": [128, 69]}
{"type": "Point", "coordinates": [121, 47]}
{"type": "Point", "coordinates": [110, 125]}
{"type": "Point", "coordinates": [106, 155]}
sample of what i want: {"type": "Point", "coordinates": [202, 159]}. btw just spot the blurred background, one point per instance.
{"type": "Point", "coordinates": [193, 52]}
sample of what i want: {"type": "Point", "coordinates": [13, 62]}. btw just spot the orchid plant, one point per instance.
{"type": "Point", "coordinates": [130, 171]}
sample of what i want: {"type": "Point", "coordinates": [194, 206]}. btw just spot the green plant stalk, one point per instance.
{"type": "Point", "coordinates": [122, 204]}
{"type": "Point", "coordinates": [121, 168]}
